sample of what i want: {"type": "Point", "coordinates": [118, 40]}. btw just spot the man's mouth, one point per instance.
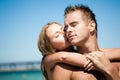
{"type": "Point", "coordinates": [71, 37]}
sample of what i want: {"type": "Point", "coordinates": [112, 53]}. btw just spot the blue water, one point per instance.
{"type": "Point", "coordinates": [21, 75]}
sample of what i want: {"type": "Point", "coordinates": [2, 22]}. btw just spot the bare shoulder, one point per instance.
{"type": "Point", "coordinates": [110, 49]}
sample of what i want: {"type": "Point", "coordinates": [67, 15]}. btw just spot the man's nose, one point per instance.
{"type": "Point", "coordinates": [69, 29]}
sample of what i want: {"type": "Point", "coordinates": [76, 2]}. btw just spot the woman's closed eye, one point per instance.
{"type": "Point", "coordinates": [57, 35]}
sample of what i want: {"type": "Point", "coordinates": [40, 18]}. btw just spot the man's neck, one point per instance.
{"type": "Point", "coordinates": [88, 46]}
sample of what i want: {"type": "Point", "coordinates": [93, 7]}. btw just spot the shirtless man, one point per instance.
{"type": "Point", "coordinates": [81, 31]}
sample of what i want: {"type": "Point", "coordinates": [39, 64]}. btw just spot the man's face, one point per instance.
{"type": "Point", "coordinates": [76, 27]}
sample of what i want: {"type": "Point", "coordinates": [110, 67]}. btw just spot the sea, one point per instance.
{"type": "Point", "coordinates": [21, 75]}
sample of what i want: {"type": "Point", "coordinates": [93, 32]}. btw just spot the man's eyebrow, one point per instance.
{"type": "Point", "coordinates": [70, 24]}
{"type": "Point", "coordinates": [73, 22]}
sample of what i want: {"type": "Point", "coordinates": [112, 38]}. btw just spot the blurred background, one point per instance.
{"type": "Point", "coordinates": [21, 22]}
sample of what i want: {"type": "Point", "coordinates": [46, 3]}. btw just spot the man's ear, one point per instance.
{"type": "Point", "coordinates": [92, 26]}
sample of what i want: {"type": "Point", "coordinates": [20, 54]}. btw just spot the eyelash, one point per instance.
{"type": "Point", "coordinates": [57, 35]}
{"type": "Point", "coordinates": [73, 25]}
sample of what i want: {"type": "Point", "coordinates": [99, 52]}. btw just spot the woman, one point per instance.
{"type": "Point", "coordinates": [52, 40]}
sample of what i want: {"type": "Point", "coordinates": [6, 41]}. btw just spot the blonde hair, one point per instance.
{"type": "Point", "coordinates": [44, 44]}
{"type": "Point", "coordinates": [45, 47]}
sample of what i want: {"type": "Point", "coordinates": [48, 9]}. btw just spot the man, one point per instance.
{"type": "Point", "coordinates": [81, 30]}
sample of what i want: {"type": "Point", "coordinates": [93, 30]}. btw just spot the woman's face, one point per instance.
{"type": "Point", "coordinates": [57, 37]}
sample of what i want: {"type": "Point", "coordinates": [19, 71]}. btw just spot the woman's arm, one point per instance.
{"type": "Point", "coordinates": [77, 59]}
{"type": "Point", "coordinates": [71, 58]}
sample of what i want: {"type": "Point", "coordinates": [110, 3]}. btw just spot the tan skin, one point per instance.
{"type": "Point", "coordinates": [69, 58]}
{"type": "Point", "coordinates": [56, 36]}
{"type": "Point", "coordinates": [81, 32]}
{"type": "Point", "coordinates": [99, 58]}
{"type": "Point", "coordinates": [52, 72]}
{"type": "Point", "coordinates": [84, 48]}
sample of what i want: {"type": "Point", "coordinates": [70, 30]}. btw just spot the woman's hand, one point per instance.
{"type": "Point", "coordinates": [97, 60]}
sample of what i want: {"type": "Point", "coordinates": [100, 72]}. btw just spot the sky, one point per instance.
{"type": "Point", "coordinates": [21, 22]}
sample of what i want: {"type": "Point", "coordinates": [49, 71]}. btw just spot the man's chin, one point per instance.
{"type": "Point", "coordinates": [73, 43]}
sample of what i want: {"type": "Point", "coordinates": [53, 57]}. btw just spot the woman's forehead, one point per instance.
{"type": "Point", "coordinates": [52, 29]}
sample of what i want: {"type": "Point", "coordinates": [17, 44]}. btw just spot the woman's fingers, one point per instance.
{"type": "Point", "coordinates": [88, 65]}
{"type": "Point", "coordinates": [90, 68]}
